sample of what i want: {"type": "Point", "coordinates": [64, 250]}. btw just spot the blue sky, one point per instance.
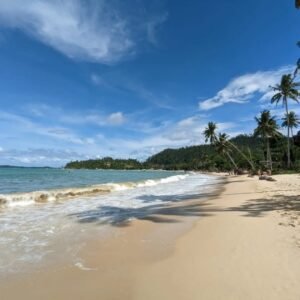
{"type": "Point", "coordinates": [84, 78]}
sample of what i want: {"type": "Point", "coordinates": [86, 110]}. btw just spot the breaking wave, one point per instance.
{"type": "Point", "coordinates": [36, 197]}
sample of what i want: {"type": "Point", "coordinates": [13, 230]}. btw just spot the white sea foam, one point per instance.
{"type": "Point", "coordinates": [82, 267]}
{"type": "Point", "coordinates": [33, 234]}
{"type": "Point", "coordinates": [24, 199]}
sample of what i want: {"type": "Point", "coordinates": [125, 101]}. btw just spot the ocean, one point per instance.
{"type": "Point", "coordinates": [46, 214]}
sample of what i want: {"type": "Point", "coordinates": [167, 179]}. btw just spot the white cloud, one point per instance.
{"type": "Point", "coordinates": [39, 157]}
{"type": "Point", "coordinates": [186, 132]}
{"type": "Point", "coordinates": [116, 119]}
{"type": "Point", "coordinates": [244, 88]}
{"type": "Point", "coordinates": [88, 30]}
{"type": "Point", "coordinates": [25, 139]}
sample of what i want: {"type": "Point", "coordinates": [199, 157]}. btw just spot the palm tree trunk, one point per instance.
{"type": "Point", "coordinates": [265, 149]}
{"type": "Point", "coordinates": [244, 156]}
{"type": "Point", "coordinates": [269, 155]}
{"type": "Point", "coordinates": [288, 134]}
{"type": "Point", "coordinates": [232, 161]}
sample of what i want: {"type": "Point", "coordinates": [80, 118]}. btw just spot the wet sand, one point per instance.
{"type": "Point", "coordinates": [242, 243]}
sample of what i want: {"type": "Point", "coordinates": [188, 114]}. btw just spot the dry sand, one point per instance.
{"type": "Point", "coordinates": [241, 244]}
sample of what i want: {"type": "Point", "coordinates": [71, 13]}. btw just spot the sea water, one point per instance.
{"type": "Point", "coordinates": [46, 214]}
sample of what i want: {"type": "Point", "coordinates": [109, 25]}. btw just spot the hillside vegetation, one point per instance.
{"type": "Point", "coordinates": [202, 157]}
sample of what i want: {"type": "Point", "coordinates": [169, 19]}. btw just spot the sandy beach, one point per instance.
{"type": "Point", "coordinates": [243, 242]}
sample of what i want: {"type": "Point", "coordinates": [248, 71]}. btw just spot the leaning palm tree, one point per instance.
{"type": "Point", "coordinates": [242, 154]}
{"type": "Point", "coordinates": [287, 89]}
{"type": "Point", "coordinates": [210, 132]}
{"type": "Point", "coordinates": [290, 120]}
{"type": "Point", "coordinates": [223, 147]}
{"type": "Point", "coordinates": [210, 135]}
{"type": "Point", "coordinates": [266, 128]}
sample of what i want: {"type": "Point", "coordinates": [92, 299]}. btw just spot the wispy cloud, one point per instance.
{"type": "Point", "coordinates": [23, 125]}
{"type": "Point", "coordinates": [39, 157]}
{"type": "Point", "coordinates": [244, 88]}
{"type": "Point", "coordinates": [62, 143]}
{"type": "Point", "coordinates": [121, 83]}
{"type": "Point", "coordinates": [153, 25]}
{"type": "Point", "coordinates": [41, 111]}
{"type": "Point", "coordinates": [81, 29]}
{"type": "Point", "coordinates": [186, 132]}
{"type": "Point", "coordinates": [113, 119]}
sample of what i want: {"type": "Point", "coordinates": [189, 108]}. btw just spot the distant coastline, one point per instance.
{"type": "Point", "coordinates": [25, 167]}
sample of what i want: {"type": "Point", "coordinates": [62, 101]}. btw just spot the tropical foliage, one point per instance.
{"type": "Point", "coordinates": [106, 163]}
{"type": "Point", "coordinates": [222, 146]}
{"type": "Point", "coordinates": [285, 90]}
{"type": "Point", "coordinates": [267, 128]}
{"type": "Point", "coordinates": [290, 120]}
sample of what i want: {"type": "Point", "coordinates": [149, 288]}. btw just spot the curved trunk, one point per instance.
{"type": "Point", "coordinates": [244, 156]}
{"type": "Point", "coordinates": [232, 160]}
{"type": "Point", "coordinates": [288, 134]}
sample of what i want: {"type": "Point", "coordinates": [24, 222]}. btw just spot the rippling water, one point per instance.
{"type": "Point", "coordinates": [46, 214]}
{"type": "Point", "coordinates": [14, 180]}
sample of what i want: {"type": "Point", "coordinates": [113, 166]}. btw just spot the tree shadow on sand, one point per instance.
{"type": "Point", "coordinates": [123, 216]}
{"type": "Point", "coordinates": [171, 208]}
{"type": "Point", "coordinates": [259, 207]}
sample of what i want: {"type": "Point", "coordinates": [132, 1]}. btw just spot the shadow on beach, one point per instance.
{"type": "Point", "coordinates": [158, 213]}
{"type": "Point", "coordinates": [258, 207]}
{"type": "Point", "coordinates": [177, 206]}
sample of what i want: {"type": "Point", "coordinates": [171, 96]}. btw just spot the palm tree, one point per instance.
{"type": "Point", "coordinates": [223, 147]}
{"type": "Point", "coordinates": [266, 129]}
{"type": "Point", "coordinates": [287, 89]}
{"type": "Point", "coordinates": [210, 132]}
{"type": "Point", "coordinates": [291, 120]}
{"type": "Point", "coordinates": [210, 135]}
{"type": "Point", "coordinates": [242, 154]}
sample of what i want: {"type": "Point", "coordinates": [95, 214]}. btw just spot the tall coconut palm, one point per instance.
{"type": "Point", "coordinates": [210, 132]}
{"type": "Point", "coordinates": [291, 120]}
{"type": "Point", "coordinates": [287, 89]}
{"type": "Point", "coordinates": [266, 128]}
{"type": "Point", "coordinates": [223, 147]}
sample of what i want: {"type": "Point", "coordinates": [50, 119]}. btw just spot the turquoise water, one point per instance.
{"type": "Point", "coordinates": [18, 180]}
{"type": "Point", "coordinates": [46, 215]}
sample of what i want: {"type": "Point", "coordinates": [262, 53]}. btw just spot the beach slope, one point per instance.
{"type": "Point", "coordinates": [247, 246]}
{"type": "Point", "coordinates": [243, 243]}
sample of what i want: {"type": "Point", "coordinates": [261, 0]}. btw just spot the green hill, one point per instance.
{"type": "Point", "coordinates": [202, 157]}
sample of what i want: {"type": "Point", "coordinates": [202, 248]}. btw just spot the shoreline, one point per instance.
{"type": "Point", "coordinates": [235, 246]}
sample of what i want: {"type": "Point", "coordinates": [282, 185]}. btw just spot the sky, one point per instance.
{"type": "Point", "coordinates": [84, 79]}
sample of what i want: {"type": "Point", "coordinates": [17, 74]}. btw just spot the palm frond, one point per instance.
{"type": "Point", "coordinates": [276, 98]}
